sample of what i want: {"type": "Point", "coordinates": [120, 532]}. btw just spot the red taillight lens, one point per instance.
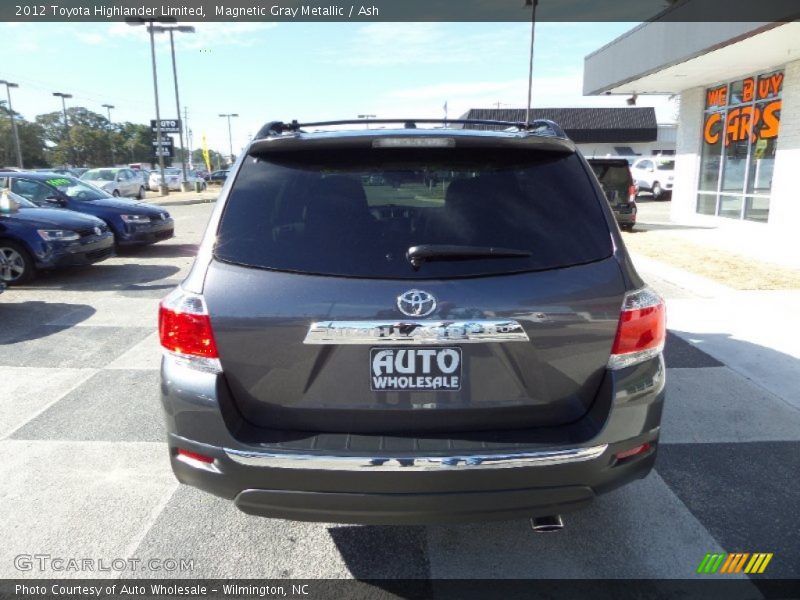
{"type": "Point", "coordinates": [195, 456]}
{"type": "Point", "coordinates": [186, 334]}
{"type": "Point", "coordinates": [184, 329]}
{"type": "Point", "coordinates": [641, 331]}
{"type": "Point", "coordinates": [641, 449]}
{"type": "Point", "coordinates": [632, 194]}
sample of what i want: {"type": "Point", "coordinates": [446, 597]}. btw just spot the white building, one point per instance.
{"type": "Point", "coordinates": [738, 138]}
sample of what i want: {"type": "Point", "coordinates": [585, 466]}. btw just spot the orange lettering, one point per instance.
{"type": "Point", "coordinates": [775, 83]}
{"type": "Point", "coordinates": [763, 88]}
{"type": "Point", "coordinates": [748, 88]}
{"type": "Point", "coordinates": [711, 129]}
{"type": "Point", "coordinates": [717, 96]}
{"type": "Point", "coordinates": [772, 121]}
{"type": "Point", "coordinates": [732, 126]}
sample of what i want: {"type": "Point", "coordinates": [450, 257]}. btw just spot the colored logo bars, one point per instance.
{"type": "Point", "coordinates": [734, 563]}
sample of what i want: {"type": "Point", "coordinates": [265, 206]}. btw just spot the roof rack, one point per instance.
{"type": "Point", "coordinates": [537, 126]}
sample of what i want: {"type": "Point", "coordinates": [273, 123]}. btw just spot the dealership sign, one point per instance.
{"type": "Point", "coordinates": [167, 125]}
{"type": "Point", "coordinates": [746, 109]}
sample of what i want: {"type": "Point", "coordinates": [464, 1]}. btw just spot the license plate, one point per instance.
{"type": "Point", "coordinates": [415, 369]}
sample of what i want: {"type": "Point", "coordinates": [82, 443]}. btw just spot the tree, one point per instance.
{"type": "Point", "coordinates": [86, 142]}
{"type": "Point", "coordinates": [31, 141]}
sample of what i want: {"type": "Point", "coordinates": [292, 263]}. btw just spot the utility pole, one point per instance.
{"type": "Point", "coordinates": [66, 124]}
{"type": "Point", "coordinates": [532, 4]}
{"type": "Point", "coordinates": [10, 85]}
{"type": "Point", "coordinates": [108, 108]}
{"type": "Point", "coordinates": [230, 138]}
{"type": "Point", "coordinates": [188, 135]}
{"type": "Point", "coordinates": [134, 21]}
{"type": "Point", "coordinates": [180, 29]}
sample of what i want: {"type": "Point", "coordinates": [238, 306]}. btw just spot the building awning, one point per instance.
{"type": "Point", "coordinates": [585, 125]}
{"type": "Point", "coordinates": [668, 57]}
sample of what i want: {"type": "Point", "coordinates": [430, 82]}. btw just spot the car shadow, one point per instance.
{"type": "Point", "coordinates": [644, 227]}
{"type": "Point", "coordinates": [395, 554]}
{"type": "Point", "coordinates": [104, 277]}
{"type": "Point", "coordinates": [21, 320]}
{"type": "Point", "coordinates": [161, 251]}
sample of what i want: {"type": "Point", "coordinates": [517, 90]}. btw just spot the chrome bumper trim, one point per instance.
{"type": "Point", "coordinates": [415, 332]}
{"type": "Point", "coordinates": [274, 460]}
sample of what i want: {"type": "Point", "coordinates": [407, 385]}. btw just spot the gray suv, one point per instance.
{"type": "Point", "coordinates": [412, 325]}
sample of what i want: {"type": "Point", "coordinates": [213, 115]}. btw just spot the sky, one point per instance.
{"type": "Point", "coordinates": [320, 71]}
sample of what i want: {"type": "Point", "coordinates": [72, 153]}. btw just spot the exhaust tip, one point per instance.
{"type": "Point", "coordinates": [547, 524]}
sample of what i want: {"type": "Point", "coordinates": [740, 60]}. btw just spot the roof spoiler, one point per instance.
{"type": "Point", "coordinates": [542, 127]}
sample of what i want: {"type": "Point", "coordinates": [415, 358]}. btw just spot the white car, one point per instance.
{"type": "Point", "coordinates": [655, 175]}
{"type": "Point", "coordinates": [117, 182]}
{"type": "Point", "coordinates": [174, 176]}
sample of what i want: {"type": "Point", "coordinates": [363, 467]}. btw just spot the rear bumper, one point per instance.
{"type": "Point", "coordinates": [390, 480]}
{"type": "Point", "coordinates": [398, 496]}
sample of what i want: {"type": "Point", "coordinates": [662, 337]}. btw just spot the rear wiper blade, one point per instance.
{"type": "Point", "coordinates": [429, 252]}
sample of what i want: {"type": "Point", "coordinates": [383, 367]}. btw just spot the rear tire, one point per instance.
{"type": "Point", "coordinates": [140, 195]}
{"type": "Point", "coordinates": [626, 226]}
{"type": "Point", "coordinates": [115, 193]}
{"type": "Point", "coordinates": [658, 191]}
{"type": "Point", "coordinates": [16, 264]}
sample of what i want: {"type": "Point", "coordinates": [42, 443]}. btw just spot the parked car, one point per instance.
{"type": "Point", "coordinates": [34, 239]}
{"type": "Point", "coordinates": [2, 283]}
{"type": "Point", "coordinates": [614, 176]}
{"type": "Point", "coordinates": [478, 349]}
{"type": "Point", "coordinates": [218, 177]}
{"type": "Point", "coordinates": [654, 175]}
{"type": "Point", "coordinates": [133, 223]}
{"type": "Point", "coordinates": [174, 176]}
{"type": "Point", "coordinates": [116, 181]}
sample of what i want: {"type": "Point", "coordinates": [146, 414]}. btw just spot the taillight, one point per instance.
{"type": "Point", "coordinates": [185, 331]}
{"type": "Point", "coordinates": [641, 331]}
{"type": "Point", "coordinates": [632, 194]}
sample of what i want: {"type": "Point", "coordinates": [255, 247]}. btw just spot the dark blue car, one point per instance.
{"type": "Point", "coordinates": [132, 222]}
{"type": "Point", "coordinates": [33, 239]}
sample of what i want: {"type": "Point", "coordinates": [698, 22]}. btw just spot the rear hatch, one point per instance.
{"type": "Point", "coordinates": [387, 290]}
{"type": "Point", "coordinates": [614, 175]}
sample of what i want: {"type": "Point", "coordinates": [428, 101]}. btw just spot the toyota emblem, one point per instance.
{"type": "Point", "coordinates": [416, 303]}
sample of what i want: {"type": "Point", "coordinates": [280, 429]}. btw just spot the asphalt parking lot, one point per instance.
{"type": "Point", "coordinates": [85, 470]}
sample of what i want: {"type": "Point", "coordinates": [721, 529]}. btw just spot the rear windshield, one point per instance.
{"type": "Point", "coordinates": [357, 213]}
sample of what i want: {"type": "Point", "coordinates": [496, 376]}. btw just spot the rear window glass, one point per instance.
{"type": "Point", "coordinates": [356, 213]}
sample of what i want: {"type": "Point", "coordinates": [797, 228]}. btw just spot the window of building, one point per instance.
{"type": "Point", "coordinates": [740, 134]}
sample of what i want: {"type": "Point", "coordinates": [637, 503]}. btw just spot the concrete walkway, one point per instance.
{"type": "Point", "coordinates": [756, 333]}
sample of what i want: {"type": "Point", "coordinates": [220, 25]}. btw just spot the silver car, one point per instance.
{"type": "Point", "coordinates": [116, 181]}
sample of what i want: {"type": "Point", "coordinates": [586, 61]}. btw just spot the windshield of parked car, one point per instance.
{"type": "Point", "coordinates": [100, 175]}
{"type": "Point", "coordinates": [77, 189]}
{"type": "Point", "coordinates": [665, 165]}
{"type": "Point", "coordinates": [357, 213]}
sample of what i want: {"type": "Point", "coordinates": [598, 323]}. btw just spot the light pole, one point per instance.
{"type": "Point", "coordinates": [108, 108]}
{"type": "Point", "coordinates": [10, 85]}
{"type": "Point", "coordinates": [230, 138]}
{"type": "Point", "coordinates": [180, 29]}
{"type": "Point", "coordinates": [134, 21]}
{"type": "Point", "coordinates": [532, 4]}
{"type": "Point", "coordinates": [64, 97]}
